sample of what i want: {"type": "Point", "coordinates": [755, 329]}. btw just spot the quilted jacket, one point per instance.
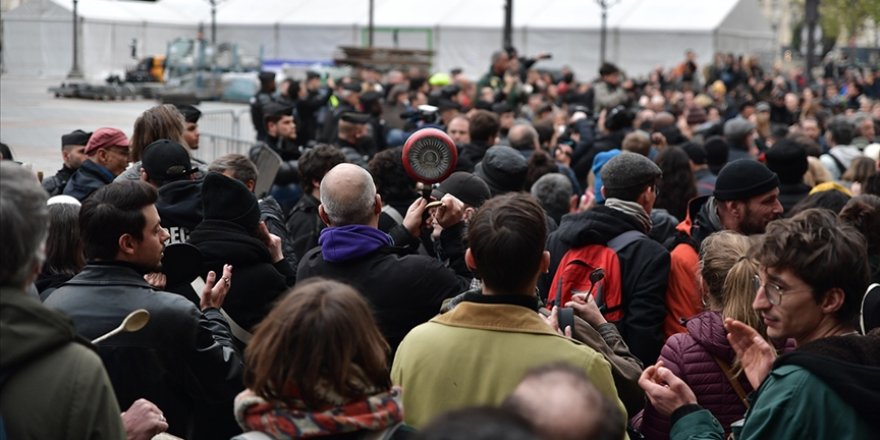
{"type": "Point", "coordinates": [689, 356]}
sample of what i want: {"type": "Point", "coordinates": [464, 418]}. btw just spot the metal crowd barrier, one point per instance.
{"type": "Point", "coordinates": [224, 132]}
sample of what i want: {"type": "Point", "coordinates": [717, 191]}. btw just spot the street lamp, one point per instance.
{"type": "Point", "coordinates": [604, 4]}
{"type": "Point", "coordinates": [74, 70]}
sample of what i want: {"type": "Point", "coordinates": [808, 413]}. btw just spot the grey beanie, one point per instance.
{"type": "Point", "coordinates": [629, 170]}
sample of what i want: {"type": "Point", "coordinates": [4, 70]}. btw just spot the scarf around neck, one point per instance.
{"type": "Point", "coordinates": [631, 209]}
{"type": "Point", "coordinates": [281, 421]}
{"type": "Point", "coordinates": [346, 243]}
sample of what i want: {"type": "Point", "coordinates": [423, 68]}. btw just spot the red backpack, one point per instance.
{"type": "Point", "coordinates": [593, 269]}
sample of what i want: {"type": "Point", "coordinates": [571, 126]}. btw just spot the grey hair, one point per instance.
{"type": "Point", "coordinates": [553, 191]}
{"type": "Point", "coordinates": [243, 169]}
{"type": "Point", "coordinates": [857, 121]}
{"type": "Point", "coordinates": [24, 223]}
{"type": "Point", "coordinates": [352, 205]}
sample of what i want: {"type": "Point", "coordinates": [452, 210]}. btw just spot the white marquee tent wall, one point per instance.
{"type": "Point", "coordinates": [642, 34]}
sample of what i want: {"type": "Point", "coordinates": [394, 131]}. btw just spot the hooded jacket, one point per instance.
{"type": "Point", "coordinates": [829, 388]}
{"type": "Point", "coordinates": [180, 208]}
{"type": "Point", "coordinates": [644, 266]}
{"type": "Point", "coordinates": [257, 282]}
{"type": "Point", "coordinates": [683, 295]}
{"type": "Point", "coordinates": [689, 356]}
{"type": "Point", "coordinates": [87, 179]}
{"type": "Point", "coordinates": [52, 384]}
{"type": "Point", "coordinates": [403, 290]}
{"type": "Point", "coordinates": [180, 360]}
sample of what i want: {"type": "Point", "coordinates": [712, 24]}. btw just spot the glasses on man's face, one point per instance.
{"type": "Point", "coordinates": [772, 291]}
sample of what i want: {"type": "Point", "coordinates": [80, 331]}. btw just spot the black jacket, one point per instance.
{"type": "Point", "coordinates": [180, 208]}
{"type": "Point", "coordinates": [644, 267]}
{"type": "Point", "coordinates": [792, 193]}
{"type": "Point", "coordinates": [404, 290]}
{"type": "Point", "coordinates": [54, 185]}
{"type": "Point", "coordinates": [88, 178]}
{"type": "Point", "coordinates": [181, 359]}
{"type": "Point", "coordinates": [257, 282]}
{"type": "Point", "coordinates": [304, 225]}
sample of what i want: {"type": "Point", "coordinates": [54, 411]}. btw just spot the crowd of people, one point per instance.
{"type": "Point", "coordinates": [691, 254]}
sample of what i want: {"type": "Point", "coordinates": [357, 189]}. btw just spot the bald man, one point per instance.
{"type": "Point", "coordinates": [404, 290]}
{"type": "Point", "coordinates": [563, 404]}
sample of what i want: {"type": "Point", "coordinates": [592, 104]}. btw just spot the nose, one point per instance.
{"type": "Point", "coordinates": [165, 235]}
{"type": "Point", "coordinates": [761, 302]}
{"type": "Point", "coordinates": [777, 208]}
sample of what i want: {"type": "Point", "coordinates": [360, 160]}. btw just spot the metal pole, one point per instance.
{"type": "Point", "coordinates": [812, 16]}
{"type": "Point", "coordinates": [213, 22]}
{"type": "Point", "coordinates": [602, 32]}
{"type": "Point", "coordinates": [506, 39]}
{"type": "Point", "coordinates": [74, 70]}
{"type": "Point", "coordinates": [370, 27]}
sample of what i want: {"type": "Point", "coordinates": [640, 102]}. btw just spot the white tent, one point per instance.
{"type": "Point", "coordinates": [38, 35]}
{"type": "Point", "coordinates": [642, 34]}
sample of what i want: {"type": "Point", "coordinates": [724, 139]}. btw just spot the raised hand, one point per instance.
{"type": "Point", "coordinates": [755, 354]}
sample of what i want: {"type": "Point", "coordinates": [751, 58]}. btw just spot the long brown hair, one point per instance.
{"type": "Point", "coordinates": [159, 122]}
{"type": "Point", "coordinates": [322, 339]}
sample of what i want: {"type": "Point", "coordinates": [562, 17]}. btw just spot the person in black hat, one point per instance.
{"type": "Point", "coordinates": [353, 137]}
{"type": "Point", "coordinates": [503, 169]}
{"type": "Point", "coordinates": [372, 103]}
{"type": "Point", "coordinates": [73, 146]}
{"type": "Point", "coordinates": [717, 152]}
{"type": "Point", "coordinates": [281, 139]}
{"type": "Point", "coordinates": [348, 96]}
{"type": "Point", "coordinates": [506, 118]}
{"type": "Point", "coordinates": [191, 117]}
{"type": "Point", "coordinates": [788, 160]}
{"type": "Point", "coordinates": [745, 200]}
{"type": "Point", "coordinates": [166, 165]}
{"type": "Point", "coordinates": [263, 97]}
{"type": "Point", "coordinates": [232, 233]}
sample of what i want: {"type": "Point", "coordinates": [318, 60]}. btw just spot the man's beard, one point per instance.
{"type": "Point", "coordinates": [751, 225]}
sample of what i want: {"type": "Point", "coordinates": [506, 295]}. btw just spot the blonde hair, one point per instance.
{"type": "Point", "coordinates": [728, 272]}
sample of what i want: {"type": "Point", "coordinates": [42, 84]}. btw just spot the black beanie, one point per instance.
{"type": "Point", "coordinates": [227, 199]}
{"type": "Point", "coordinates": [743, 179]}
{"type": "Point", "coordinates": [788, 160]}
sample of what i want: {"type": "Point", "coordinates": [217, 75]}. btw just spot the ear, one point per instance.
{"type": "Point", "coordinates": [602, 191]}
{"type": "Point", "coordinates": [250, 184]}
{"type": "Point", "coordinates": [323, 214]}
{"type": "Point", "coordinates": [573, 203]}
{"type": "Point", "coordinates": [545, 262]}
{"type": "Point", "coordinates": [377, 207]}
{"type": "Point", "coordinates": [143, 175]}
{"type": "Point", "coordinates": [832, 300]}
{"type": "Point", "coordinates": [127, 244]}
{"type": "Point", "coordinates": [469, 260]}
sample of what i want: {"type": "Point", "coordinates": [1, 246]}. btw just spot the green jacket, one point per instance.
{"type": "Point", "coordinates": [476, 354]}
{"type": "Point", "coordinates": [831, 396]}
{"type": "Point", "coordinates": [53, 386]}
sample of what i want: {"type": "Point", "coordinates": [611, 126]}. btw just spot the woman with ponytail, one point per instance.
{"type": "Point", "coordinates": [703, 357]}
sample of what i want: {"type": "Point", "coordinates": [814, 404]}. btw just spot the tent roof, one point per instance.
{"type": "Point", "coordinates": [162, 11]}
{"type": "Point", "coordinates": [560, 14]}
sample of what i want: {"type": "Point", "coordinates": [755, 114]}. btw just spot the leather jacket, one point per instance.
{"type": "Point", "coordinates": [181, 359]}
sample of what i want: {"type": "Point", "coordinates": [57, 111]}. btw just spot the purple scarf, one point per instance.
{"type": "Point", "coordinates": [346, 243]}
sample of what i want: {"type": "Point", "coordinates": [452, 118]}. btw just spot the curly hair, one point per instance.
{"type": "Point", "coordinates": [392, 181]}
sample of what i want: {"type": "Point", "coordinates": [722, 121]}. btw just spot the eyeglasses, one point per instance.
{"type": "Point", "coordinates": [772, 291]}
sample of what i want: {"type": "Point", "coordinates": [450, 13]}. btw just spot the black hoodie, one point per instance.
{"type": "Point", "coordinates": [644, 266]}
{"type": "Point", "coordinates": [180, 208]}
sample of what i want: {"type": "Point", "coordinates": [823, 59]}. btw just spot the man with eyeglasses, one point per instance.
{"type": "Point", "coordinates": [107, 152]}
{"type": "Point", "coordinates": [814, 273]}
